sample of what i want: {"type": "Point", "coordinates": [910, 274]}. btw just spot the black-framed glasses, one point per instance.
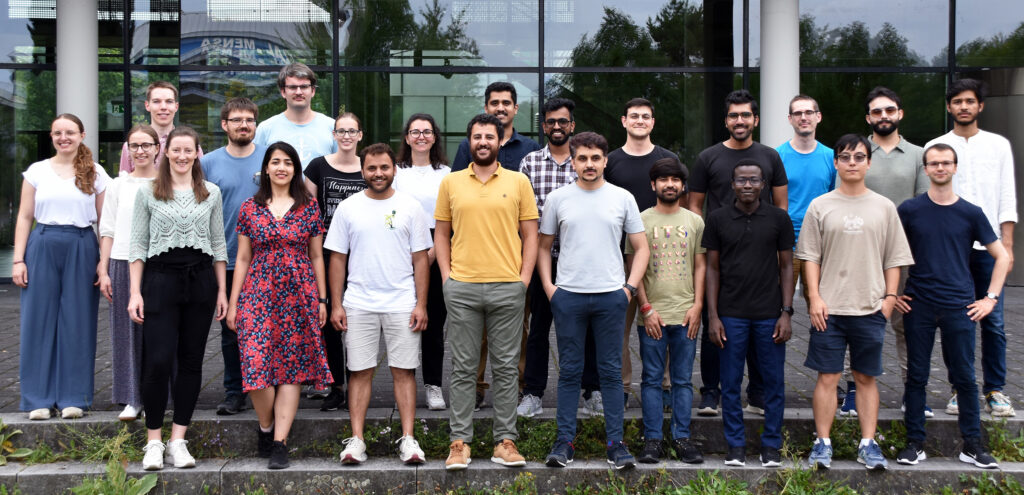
{"type": "Point", "coordinates": [417, 132]}
{"type": "Point", "coordinates": [298, 87]}
{"type": "Point", "coordinates": [239, 120]}
{"type": "Point", "coordinates": [141, 146]}
{"type": "Point", "coordinates": [740, 115]}
{"type": "Point", "coordinates": [346, 132]}
{"type": "Point", "coordinates": [804, 113]}
{"type": "Point", "coordinates": [561, 122]}
{"type": "Point", "coordinates": [754, 181]}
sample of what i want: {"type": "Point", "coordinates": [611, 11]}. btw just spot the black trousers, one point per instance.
{"type": "Point", "coordinates": [179, 292]}
{"type": "Point", "coordinates": [432, 340]}
{"type": "Point", "coordinates": [333, 339]}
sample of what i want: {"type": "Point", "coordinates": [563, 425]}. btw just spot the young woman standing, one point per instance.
{"type": "Point", "coordinates": [56, 265]}
{"type": "Point", "coordinates": [143, 144]}
{"type": "Point", "coordinates": [421, 166]}
{"type": "Point", "coordinates": [332, 179]}
{"type": "Point", "coordinates": [279, 298]}
{"type": "Point", "coordinates": [178, 258]}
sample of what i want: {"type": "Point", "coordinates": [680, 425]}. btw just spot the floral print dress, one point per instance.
{"type": "Point", "coordinates": [278, 334]}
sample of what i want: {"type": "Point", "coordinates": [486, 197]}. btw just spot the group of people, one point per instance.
{"type": "Point", "coordinates": [308, 251]}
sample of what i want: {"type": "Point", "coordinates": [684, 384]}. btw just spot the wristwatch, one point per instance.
{"type": "Point", "coordinates": [788, 310]}
{"type": "Point", "coordinates": [630, 288]}
{"type": "Point", "coordinates": [993, 296]}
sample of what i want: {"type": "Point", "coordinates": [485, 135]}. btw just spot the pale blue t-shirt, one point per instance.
{"type": "Point", "coordinates": [810, 175]}
{"type": "Point", "coordinates": [238, 180]}
{"type": "Point", "coordinates": [589, 225]}
{"type": "Point", "coordinates": [310, 140]}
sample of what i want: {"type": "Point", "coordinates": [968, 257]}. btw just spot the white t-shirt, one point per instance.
{"type": "Point", "coordinates": [310, 140]}
{"type": "Point", "coordinates": [59, 201]}
{"type": "Point", "coordinates": [118, 205]}
{"type": "Point", "coordinates": [422, 183]}
{"type": "Point", "coordinates": [379, 237]}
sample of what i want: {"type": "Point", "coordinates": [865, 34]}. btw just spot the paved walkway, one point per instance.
{"type": "Point", "coordinates": [799, 380]}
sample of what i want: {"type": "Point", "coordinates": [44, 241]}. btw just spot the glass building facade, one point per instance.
{"type": "Point", "coordinates": [387, 59]}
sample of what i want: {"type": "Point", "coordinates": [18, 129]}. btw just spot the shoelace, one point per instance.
{"type": "Point", "coordinates": [410, 439]}
{"type": "Point", "coordinates": [510, 446]}
{"type": "Point", "coordinates": [456, 448]}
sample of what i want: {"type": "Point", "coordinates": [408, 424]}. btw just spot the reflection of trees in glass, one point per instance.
{"type": "Point", "coordinates": [1000, 50]}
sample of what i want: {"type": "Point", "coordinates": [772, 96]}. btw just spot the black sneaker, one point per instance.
{"type": "Point", "coordinates": [840, 394]}
{"type": "Point", "coordinates": [233, 404]}
{"type": "Point", "coordinates": [686, 451]}
{"type": "Point", "coordinates": [278, 456]}
{"type": "Point", "coordinates": [912, 454]}
{"type": "Point", "coordinates": [619, 456]}
{"type": "Point", "coordinates": [264, 443]}
{"type": "Point", "coordinates": [974, 453]}
{"type": "Point", "coordinates": [651, 453]}
{"type": "Point", "coordinates": [479, 400]}
{"type": "Point", "coordinates": [736, 456]}
{"type": "Point", "coordinates": [770, 457]}
{"type": "Point", "coordinates": [561, 454]}
{"type": "Point", "coordinates": [708, 405]}
{"type": "Point", "coordinates": [334, 401]}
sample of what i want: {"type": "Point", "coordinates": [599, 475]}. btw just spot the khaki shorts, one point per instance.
{"type": "Point", "coordinates": [362, 340]}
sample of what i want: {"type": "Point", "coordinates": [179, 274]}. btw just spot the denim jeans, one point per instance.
{"type": "Point", "coordinates": [957, 352]}
{"type": "Point", "coordinates": [710, 364]}
{"type": "Point", "coordinates": [743, 334]}
{"type": "Point", "coordinates": [681, 351]}
{"type": "Point", "coordinates": [604, 313]}
{"type": "Point", "coordinates": [993, 333]}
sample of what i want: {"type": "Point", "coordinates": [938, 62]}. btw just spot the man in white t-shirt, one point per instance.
{"type": "Point", "coordinates": [385, 234]}
{"type": "Point", "coordinates": [310, 133]}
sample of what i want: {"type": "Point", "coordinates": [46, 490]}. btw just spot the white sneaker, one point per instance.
{"type": "Point", "coordinates": [409, 450]}
{"type": "Point", "coordinates": [952, 407]}
{"type": "Point", "coordinates": [998, 404]}
{"type": "Point", "coordinates": [355, 451]}
{"type": "Point", "coordinates": [154, 458]}
{"type": "Point", "coordinates": [180, 457]}
{"type": "Point", "coordinates": [530, 406]}
{"type": "Point", "coordinates": [71, 412]}
{"type": "Point", "coordinates": [594, 406]}
{"type": "Point", "coordinates": [39, 414]}
{"type": "Point", "coordinates": [130, 413]}
{"type": "Point", "coordinates": [435, 400]}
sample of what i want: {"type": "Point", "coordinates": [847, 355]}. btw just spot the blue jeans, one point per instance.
{"type": "Point", "coordinates": [993, 334]}
{"type": "Point", "coordinates": [709, 365]}
{"type": "Point", "coordinates": [957, 352]}
{"type": "Point", "coordinates": [604, 314]}
{"type": "Point", "coordinates": [682, 351]}
{"type": "Point", "coordinates": [743, 334]}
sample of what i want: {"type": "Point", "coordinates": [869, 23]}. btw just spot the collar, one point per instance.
{"type": "Point", "coordinates": [545, 153]}
{"type": "Point", "coordinates": [514, 137]}
{"type": "Point", "coordinates": [496, 171]}
{"type": "Point", "coordinates": [899, 146]}
{"type": "Point", "coordinates": [737, 213]}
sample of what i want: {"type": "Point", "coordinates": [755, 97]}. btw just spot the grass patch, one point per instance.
{"type": "Point", "coordinates": [985, 484]}
{"type": "Point", "coordinates": [846, 436]}
{"type": "Point", "coordinates": [116, 481]}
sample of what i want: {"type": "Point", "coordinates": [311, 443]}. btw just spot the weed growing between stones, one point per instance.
{"type": "Point", "coordinates": [846, 436]}
{"type": "Point", "coordinates": [7, 448]}
{"type": "Point", "coordinates": [10, 491]}
{"type": "Point", "coordinates": [116, 481]}
{"type": "Point", "coordinates": [1004, 445]}
{"type": "Point", "coordinates": [985, 484]}
{"type": "Point", "coordinates": [800, 479]}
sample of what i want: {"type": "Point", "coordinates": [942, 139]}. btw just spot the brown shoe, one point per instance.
{"type": "Point", "coordinates": [506, 454]}
{"type": "Point", "coordinates": [458, 457]}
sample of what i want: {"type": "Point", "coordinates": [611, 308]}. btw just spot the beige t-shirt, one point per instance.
{"type": "Point", "coordinates": [854, 239]}
{"type": "Point", "coordinates": [674, 241]}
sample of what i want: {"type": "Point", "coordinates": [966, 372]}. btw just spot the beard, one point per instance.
{"type": "Point", "coordinates": [556, 141]}
{"type": "Point", "coordinates": [885, 131]}
{"type": "Point", "coordinates": [668, 196]}
{"type": "Point", "coordinates": [241, 140]}
{"type": "Point", "coordinates": [485, 162]}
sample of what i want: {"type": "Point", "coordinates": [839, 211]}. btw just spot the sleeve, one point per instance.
{"type": "Point", "coordinates": [461, 160]}
{"type": "Point", "coordinates": [243, 226]}
{"type": "Point", "coordinates": [527, 201]}
{"type": "Point", "coordinates": [102, 179]}
{"type": "Point", "coordinates": [316, 224]}
{"type": "Point", "coordinates": [778, 168]}
{"type": "Point", "coordinates": [1008, 188]}
{"type": "Point", "coordinates": [261, 134]}
{"type": "Point", "coordinates": [337, 234]}
{"type": "Point", "coordinates": [31, 175]}
{"type": "Point", "coordinates": [921, 181]}
{"type": "Point", "coordinates": [526, 168]}
{"type": "Point", "coordinates": [897, 249]}
{"type": "Point", "coordinates": [109, 217]}
{"type": "Point", "coordinates": [549, 220]}
{"type": "Point", "coordinates": [698, 181]}
{"type": "Point", "coordinates": [787, 237]}
{"type": "Point", "coordinates": [443, 207]}
{"type": "Point", "coordinates": [808, 246]}
{"type": "Point", "coordinates": [420, 239]}
{"type": "Point", "coordinates": [633, 223]}
{"type": "Point", "coordinates": [218, 244]}
{"type": "Point", "coordinates": [710, 240]}
{"type": "Point", "coordinates": [126, 160]}
{"type": "Point", "coordinates": [698, 237]}
{"type": "Point", "coordinates": [903, 211]}
{"type": "Point", "coordinates": [312, 171]}
{"type": "Point", "coordinates": [138, 249]}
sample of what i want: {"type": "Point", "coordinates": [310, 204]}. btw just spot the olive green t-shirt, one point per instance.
{"type": "Point", "coordinates": [675, 242]}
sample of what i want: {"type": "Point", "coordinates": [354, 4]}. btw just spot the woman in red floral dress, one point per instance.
{"type": "Point", "coordinates": [278, 298]}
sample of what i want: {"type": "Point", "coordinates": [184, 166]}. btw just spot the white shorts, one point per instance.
{"type": "Point", "coordinates": [362, 340]}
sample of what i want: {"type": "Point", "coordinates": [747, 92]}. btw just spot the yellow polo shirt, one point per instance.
{"type": "Point", "coordinates": [485, 217]}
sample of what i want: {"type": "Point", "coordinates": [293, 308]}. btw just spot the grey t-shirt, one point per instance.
{"type": "Point", "coordinates": [589, 225]}
{"type": "Point", "coordinates": [899, 174]}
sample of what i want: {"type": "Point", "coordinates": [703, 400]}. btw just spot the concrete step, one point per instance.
{"type": "Point", "coordinates": [388, 475]}
{"type": "Point", "coordinates": [319, 434]}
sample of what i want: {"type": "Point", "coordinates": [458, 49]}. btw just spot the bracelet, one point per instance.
{"type": "Point", "coordinates": [19, 261]}
{"type": "Point", "coordinates": [645, 308]}
{"type": "Point", "coordinates": [649, 313]}
{"type": "Point", "coordinates": [891, 295]}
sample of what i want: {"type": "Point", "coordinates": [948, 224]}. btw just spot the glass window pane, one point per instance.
{"type": "Point", "coordinates": [140, 82]}
{"type": "Point", "coordinates": [111, 101]}
{"type": "Point", "coordinates": [255, 32]}
{"type": "Point", "coordinates": [911, 33]}
{"type": "Point", "coordinates": [28, 31]}
{"type": "Point", "coordinates": [992, 36]}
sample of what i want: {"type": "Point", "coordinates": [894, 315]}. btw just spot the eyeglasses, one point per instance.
{"type": "Point", "coordinates": [560, 122]}
{"type": "Point", "coordinates": [805, 113]}
{"type": "Point", "coordinates": [425, 133]}
{"type": "Point", "coordinates": [141, 146]}
{"type": "Point", "coordinates": [239, 120]}
{"type": "Point", "coordinates": [640, 116]}
{"type": "Point", "coordinates": [754, 181]}
{"type": "Point", "coordinates": [346, 132]}
{"type": "Point", "coordinates": [856, 158]}
{"type": "Point", "coordinates": [740, 115]}
{"type": "Point", "coordinates": [298, 87]}
{"type": "Point", "coordinates": [877, 112]}
{"type": "Point", "coordinates": [945, 163]}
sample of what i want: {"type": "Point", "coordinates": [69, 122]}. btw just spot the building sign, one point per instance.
{"type": "Point", "coordinates": [232, 50]}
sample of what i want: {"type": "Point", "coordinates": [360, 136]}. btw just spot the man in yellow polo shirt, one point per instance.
{"type": "Point", "coordinates": [485, 267]}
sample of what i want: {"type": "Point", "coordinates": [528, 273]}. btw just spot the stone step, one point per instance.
{"type": "Point", "coordinates": [388, 475]}
{"type": "Point", "coordinates": [319, 434]}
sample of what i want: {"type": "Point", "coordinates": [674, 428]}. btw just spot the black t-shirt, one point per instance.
{"type": "Point", "coordinates": [748, 259]}
{"type": "Point", "coordinates": [632, 173]}
{"type": "Point", "coordinates": [712, 173]}
{"type": "Point", "coordinates": [332, 186]}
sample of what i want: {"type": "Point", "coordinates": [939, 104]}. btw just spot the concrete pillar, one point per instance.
{"type": "Point", "coordinates": [780, 67]}
{"type": "Point", "coordinates": [78, 65]}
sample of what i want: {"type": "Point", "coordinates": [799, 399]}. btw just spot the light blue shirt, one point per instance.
{"type": "Point", "coordinates": [810, 175]}
{"type": "Point", "coordinates": [238, 180]}
{"type": "Point", "coordinates": [310, 140]}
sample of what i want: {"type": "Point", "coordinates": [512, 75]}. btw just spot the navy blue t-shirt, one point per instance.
{"type": "Point", "coordinates": [941, 239]}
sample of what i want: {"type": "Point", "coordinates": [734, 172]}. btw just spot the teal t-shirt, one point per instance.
{"type": "Point", "coordinates": [810, 175]}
